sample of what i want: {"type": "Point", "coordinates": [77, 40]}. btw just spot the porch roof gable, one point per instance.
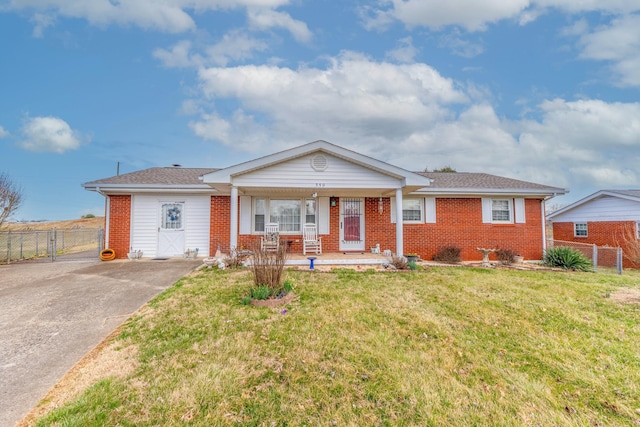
{"type": "Point", "coordinates": [224, 177]}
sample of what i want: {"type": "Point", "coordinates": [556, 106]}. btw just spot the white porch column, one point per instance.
{"type": "Point", "coordinates": [233, 237]}
{"type": "Point", "coordinates": [399, 235]}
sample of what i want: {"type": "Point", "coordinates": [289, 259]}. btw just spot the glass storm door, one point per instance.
{"type": "Point", "coordinates": [171, 230]}
{"type": "Point", "coordinates": [351, 224]}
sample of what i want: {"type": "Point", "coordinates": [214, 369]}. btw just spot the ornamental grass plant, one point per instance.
{"type": "Point", "coordinates": [443, 346]}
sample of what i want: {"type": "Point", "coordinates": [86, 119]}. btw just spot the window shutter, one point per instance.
{"type": "Point", "coordinates": [393, 210]}
{"type": "Point", "coordinates": [519, 208]}
{"type": "Point", "coordinates": [245, 214]}
{"type": "Point", "coordinates": [430, 210]}
{"type": "Point", "coordinates": [323, 215]}
{"type": "Point", "coordinates": [487, 206]}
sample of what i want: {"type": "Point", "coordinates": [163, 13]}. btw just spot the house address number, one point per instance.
{"type": "Point", "coordinates": [320, 184]}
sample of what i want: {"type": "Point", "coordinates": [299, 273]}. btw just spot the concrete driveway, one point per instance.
{"type": "Point", "coordinates": [52, 314]}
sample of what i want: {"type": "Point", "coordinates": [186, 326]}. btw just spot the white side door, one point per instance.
{"type": "Point", "coordinates": [171, 230]}
{"type": "Point", "coordinates": [351, 224]}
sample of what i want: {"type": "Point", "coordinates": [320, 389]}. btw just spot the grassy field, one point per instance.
{"type": "Point", "coordinates": [442, 346]}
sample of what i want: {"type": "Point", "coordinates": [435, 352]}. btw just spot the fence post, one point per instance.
{"type": "Point", "coordinates": [619, 260]}
{"type": "Point", "coordinates": [595, 257]}
{"type": "Point", "coordinates": [9, 248]}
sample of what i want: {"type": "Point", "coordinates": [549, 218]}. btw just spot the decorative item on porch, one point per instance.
{"type": "Point", "coordinates": [412, 257]}
{"type": "Point", "coordinates": [191, 254]}
{"type": "Point", "coordinates": [133, 255]}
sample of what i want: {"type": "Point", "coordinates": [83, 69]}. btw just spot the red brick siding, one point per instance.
{"type": "Point", "coordinates": [459, 223]}
{"type": "Point", "coordinates": [120, 224]}
{"type": "Point", "coordinates": [600, 233]}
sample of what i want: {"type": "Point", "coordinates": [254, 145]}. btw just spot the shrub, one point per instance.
{"type": "Point", "coordinates": [267, 268]}
{"type": "Point", "coordinates": [567, 258]}
{"type": "Point", "coordinates": [506, 256]}
{"type": "Point", "coordinates": [449, 254]}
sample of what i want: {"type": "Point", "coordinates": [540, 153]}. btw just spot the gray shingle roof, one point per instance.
{"type": "Point", "coordinates": [453, 180]}
{"type": "Point", "coordinates": [167, 176]}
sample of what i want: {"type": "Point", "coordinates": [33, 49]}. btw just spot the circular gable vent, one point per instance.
{"type": "Point", "coordinates": [319, 163]}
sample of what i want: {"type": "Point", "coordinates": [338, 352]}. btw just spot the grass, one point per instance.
{"type": "Point", "coordinates": [444, 346]}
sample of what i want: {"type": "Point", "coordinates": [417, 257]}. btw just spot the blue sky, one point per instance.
{"type": "Point", "coordinates": [540, 90]}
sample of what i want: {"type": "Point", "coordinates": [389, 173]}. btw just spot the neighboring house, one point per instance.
{"type": "Point", "coordinates": [354, 200]}
{"type": "Point", "coordinates": [603, 218]}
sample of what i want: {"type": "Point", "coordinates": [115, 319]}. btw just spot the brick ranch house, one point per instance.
{"type": "Point", "coordinates": [604, 218]}
{"type": "Point", "coordinates": [353, 199]}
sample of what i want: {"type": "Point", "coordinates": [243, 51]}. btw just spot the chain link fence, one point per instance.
{"type": "Point", "coordinates": [45, 244]}
{"type": "Point", "coordinates": [601, 256]}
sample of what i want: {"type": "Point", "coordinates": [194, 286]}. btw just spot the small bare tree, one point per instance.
{"type": "Point", "coordinates": [630, 243]}
{"type": "Point", "coordinates": [10, 197]}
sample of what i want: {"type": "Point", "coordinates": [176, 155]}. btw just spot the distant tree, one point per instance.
{"type": "Point", "coordinates": [10, 197]}
{"type": "Point", "coordinates": [447, 169]}
{"type": "Point", "coordinates": [88, 216]}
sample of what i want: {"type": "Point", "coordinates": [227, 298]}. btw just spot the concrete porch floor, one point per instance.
{"type": "Point", "coordinates": [338, 258]}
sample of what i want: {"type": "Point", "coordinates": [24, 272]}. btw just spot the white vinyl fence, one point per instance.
{"type": "Point", "coordinates": [601, 256]}
{"type": "Point", "coordinates": [29, 244]}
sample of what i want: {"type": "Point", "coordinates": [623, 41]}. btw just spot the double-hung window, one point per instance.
{"type": "Point", "coordinates": [580, 229]}
{"type": "Point", "coordinates": [638, 230]}
{"type": "Point", "coordinates": [288, 213]}
{"type": "Point", "coordinates": [501, 211]}
{"type": "Point", "coordinates": [412, 210]}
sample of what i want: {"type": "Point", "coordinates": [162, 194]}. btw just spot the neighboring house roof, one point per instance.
{"type": "Point", "coordinates": [477, 183]}
{"type": "Point", "coordinates": [626, 200]}
{"type": "Point", "coordinates": [158, 177]}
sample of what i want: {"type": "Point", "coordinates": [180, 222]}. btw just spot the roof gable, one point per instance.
{"type": "Point", "coordinates": [226, 176]}
{"type": "Point", "coordinates": [626, 199]}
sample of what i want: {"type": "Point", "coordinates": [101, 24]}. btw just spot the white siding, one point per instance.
{"type": "Point", "coordinates": [299, 173]}
{"type": "Point", "coordinates": [145, 216]}
{"type": "Point", "coordinates": [604, 208]}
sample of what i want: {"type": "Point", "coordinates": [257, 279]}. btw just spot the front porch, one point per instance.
{"type": "Point", "coordinates": [337, 259]}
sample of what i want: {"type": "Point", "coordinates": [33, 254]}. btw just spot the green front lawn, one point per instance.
{"type": "Point", "coordinates": [443, 346]}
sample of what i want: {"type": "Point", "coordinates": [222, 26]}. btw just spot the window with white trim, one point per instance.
{"type": "Point", "coordinates": [412, 210]}
{"type": "Point", "coordinates": [638, 230]}
{"type": "Point", "coordinates": [286, 212]}
{"type": "Point", "coordinates": [501, 210]}
{"type": "Point", "coordinates": [580, 229]}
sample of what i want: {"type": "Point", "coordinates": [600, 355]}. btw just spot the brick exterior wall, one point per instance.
{"type": "Point", "coordinates": [459, 223]}
{"type": "Point", "coordinates": [600, 233]}
{"type": "Point", "coordinates": [120, 224]}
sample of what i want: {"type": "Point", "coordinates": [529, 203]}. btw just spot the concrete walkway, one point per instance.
{"type": "Point", "coordinates": [52, 314]}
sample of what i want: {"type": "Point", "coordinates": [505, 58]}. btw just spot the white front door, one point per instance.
{"type": "Point", "coordinates": [351, 224]}
{"type": "Point", "coordinates": [171, 230]}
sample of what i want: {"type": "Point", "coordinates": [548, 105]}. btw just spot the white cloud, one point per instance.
{"type": "Point", "coordinates": [50, 134]}
{"type": "Point", "coordinates": [473, 15]}
{"type": "Point", "coordinates": [165, 15]}
{"type": "Point", "coordinates": [589, 141]}
{"type": "Point", "coordinates": [234, 46]}
{"type": "Point", "coordinates": [3, 133]}
{"type": "Point", "coordinates": [460, 46]}
{"type": "Point", "coordinates": [265, 19]}
{"type": "Point", "coordinates": [179, 56]}
{"type": "Point", "coordinates": [405, 52]}
{"type": "Point", "coordinates": [470, 14]}
{"type": "Point", "coordinates": [619, 44]}
{"type": "Point", "coordinates": [408, 115]}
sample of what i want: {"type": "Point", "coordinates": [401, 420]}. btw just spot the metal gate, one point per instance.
{"type": "Point", "coordinates": [49, 245]}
